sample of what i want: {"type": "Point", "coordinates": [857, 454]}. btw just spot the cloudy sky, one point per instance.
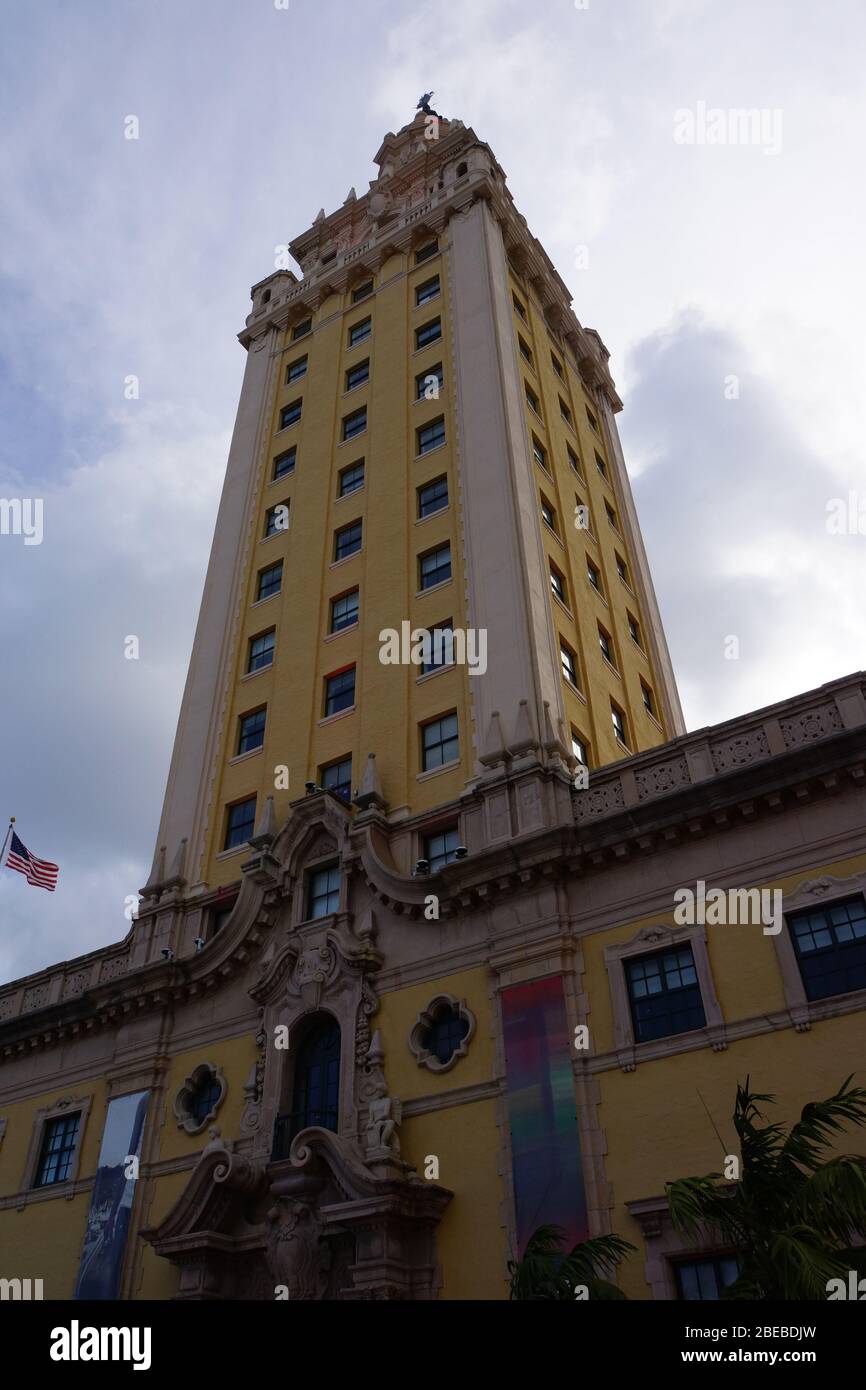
{"type": "Point", "coordinates": [727, 280]}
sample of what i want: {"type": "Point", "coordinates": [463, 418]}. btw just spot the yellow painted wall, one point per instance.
{"type": "Point", "coordinates": [390, 702]}
{"type": "Point", "coordinates": [570, 548]}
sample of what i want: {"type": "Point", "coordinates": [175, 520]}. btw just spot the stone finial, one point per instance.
{"type": "Point", "coordinates": [371, 793]}
{"type": "Point", "coordinates": [525, 733]}
{"type": "Point", "coordinates": [178, 865]}
{"type": "Point", "coordinates": [157, 874]}
{"type": "Point", "coordinates": [376, 1052]}
{"type": "Point", "coordinates": [494, 749]}
{"type": "Point", "coordinates": [351, 197]}
{"type": "Point", "coordinates": [267, 827]}
{"type": "Point", "coordinates": [319, 217]}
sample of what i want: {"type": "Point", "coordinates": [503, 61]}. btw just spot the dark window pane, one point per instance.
{"type": "Point", "coordinates": [240, 823]}
{"type": "Point", "coordinates": [348, 540]}
{"type": "Point", "coordinates": [664, 994]}
{"type": "Point", "coordinates": [432, 497]}
{"type": "Point", "coordinates": [252, 731]}
{"type": "Point", "coordinates": [439, 742]}
{"type": "Point", "coordinates": [340, 691]}
{"type": "Point", "coordinates": [831, 947]}
{"type": "Point", "coordinates": [58, 1146]}
{"type": "Point", "coordinates": [261, 650]}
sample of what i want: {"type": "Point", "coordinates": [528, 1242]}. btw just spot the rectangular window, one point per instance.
{"type": "Point", "coordinates": [518, 308]}
{"type": "Point", "coordinates": [59, 1138]}
{"type": "Point", "coordinates": [531, 399]}
{"type": "Point", "coordinates": [539, 453]}
{"type": "Point", "coordinates": [433, 496]}
{"type": "Point", "coordinates": [593, 575]}
{"type": "Point", "coordinates": [830, 943]}
{"type": "Point", "coordinates": [323, 892]}
{"type": "Point", "coordinates": [337, 778]}
{"type": "Point", "coordinates": [647, 697]}
{"type": "Point", "coordinates": [525, 350]}
{"type": "Point", "coordinates": [664, 994]}
{"type": "Point", "coordinates": [621, 568]}
{"type": "Point", "coordinates": [355, 423]}
{"type": "Point", "coordinates": [611, 516]}
{"type": "Point", "coordinates": [431, 436]}
{"type": "Point", "coordinates": [564, 411]}
{"type": "Point", "coordinates": [425, 252]}
{"type": "Point", "coordinates": [270, 581]}
{"type": "Point", "coordinates": [435, 566]}
{"type": "Point", "coordinates": [356, 376]}
{"type": "Point", "coordinates": [440, 848]}
{"type": "Point", "coordinates": [429, 383]}
{"type": "Point", "coordinates": [360, 331]}
{"type": "Point", "coordinates": [291, 414]}
{"type": "Point", "coordinates": [439, 742]}
{"type": "Point", "coordinates": [592, 420]}
{"type": "Point", "coordinates": [556, 365]}
{"type": "Point", "coordinates": [579, 749]}
{"type": "Point", "coordinates": [605, 644]}
{"type": "Point", "coordinates": [600, 464]}
{"type": "Point", "coordinates": [618, 719]}
{"type": "Point", "coordinates": [557, 584]}
{"type": "Point", "coordinates": [295, 370]}
{"type": "Point", "coordinates": [285, 463]}
{"type": "Point", "coordinates": [339, 691]}
{"type": "Point", "coordinates": [301, 330]}
{"type": "Point", "coordinates": [573, 460]}
{"type": "Point", "coordinates": [261, 650]}
{"type": "Point", "coordinates": [362, 292]}
{"type": "Point", "coordinates": [634, 630]}
{"type": "Point", "coordinates": [548, 515]}
{"type": "Point", "coordinates": [428, 333]}
{"type": "Point", "coordinates": [251, 731]}
{"type": "Point", "coordinates": [429, 290]}
{"type": "Point", "coordinates": [277, 518]}
{"type": "Point", "coordinates": [441, 647]}
{"type": "Point", "coordinates": [569, 664]}
{"type": "Point", "coordinates": [706, 1280]}
{"type": "Point", "coordinates": [348, 540]}
{"type": "Point", "coordinates": [240, 821]}
{"type": "Point", "coordinates": [351, 478]}
{"type": "Point", "coordinates": [344, 610]}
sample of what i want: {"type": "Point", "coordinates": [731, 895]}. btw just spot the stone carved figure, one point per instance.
{"type": "Point", "coordinates": [384, 1114]}
{"type": "Point", "coordinates": [294, 1253]}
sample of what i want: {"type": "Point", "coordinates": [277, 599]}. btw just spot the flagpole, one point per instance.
{"type": "Point", "coordinates": [6, 841]}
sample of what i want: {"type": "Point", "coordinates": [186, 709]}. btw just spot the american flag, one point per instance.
{"type": "Point", "coordinates": [38, 872]}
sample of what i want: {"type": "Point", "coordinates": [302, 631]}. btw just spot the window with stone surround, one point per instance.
{"type": "Point", "coordinates": [662, 992]}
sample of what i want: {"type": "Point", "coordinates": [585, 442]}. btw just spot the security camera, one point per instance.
{"type": "Point", "coordinates": [460, 852]}
{"type": "Point", "coordinates": [422, 866]}
{"type": "Point", "coordinates": [167, 953]}
{"type": "Point", "coordinates": [310, 787]}
{"type": "Point", "coordinates": [199, 943]}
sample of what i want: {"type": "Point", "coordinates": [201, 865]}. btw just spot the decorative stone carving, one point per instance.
{"type": "Point", "coordinates": [293, 1252]}
{"type": "Point", "coordinates": [36, 997]}
{"type": "Point", "coordinates": [118, 965]}
{"type": "Point", "coordinates": [741, 750]}
{"type": "Point", "coordinates": [810, 725]}
{"type": "Point", "coordinates": [254, 1084]}
{"type": "Point", "coordinates": [76, 984]}
{"type": "Point", "coordinates": [661, 778]}
{"type": "Point", "coordinates": [599, 801]}
{"type": "Point", "coordinates": [202, 1074]}
{"type": "Point", "coordinates": [367, 1007]}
